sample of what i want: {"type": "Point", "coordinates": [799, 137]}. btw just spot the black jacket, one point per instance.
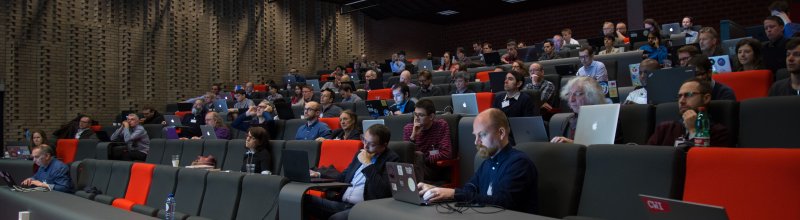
{"type": "Point", "coordinates": [377, 185]}
{"type": "Point", "coordinates": [261, 158]}
{"type": "Point", "coordinates": [525, 106]}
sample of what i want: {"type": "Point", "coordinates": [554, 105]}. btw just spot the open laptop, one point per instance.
{"type": "Point", "coordinates": [289, 80]}
{"type": "Point", "coordinates": [314, 83]}
{"type": "Point", "coordinates": [678, 39]}
{"type": "Point", "coordinates": [18, 150]}
{"type": "Point", "coordinates": [671, 28]}
{"type": "Point", "coordinates": [185, 106]}
{"type": "Point", "coordinates": [208, 132]}
{"type": "Point", "coordinates": [173, 120]}
{"type": "Point", "coordinates": [496, 81]}
{"type": "Point", "coordinates": [720, 64]}
{"type": "Point", "coordinates": [221, 106]}
{"type": "Point", "coordinates": [377, 108]}
{"type": "Point", "coordinates": [662, 85]}
{"type": "Point", "coordinates": [491, 59]}
{"type": "Point", "coordinates": [8, 179]}
{"type": "Point", "coordinates": [425, 65]}
{"type": "Point", "coordinates": [669, 209]}
{"type": "Point", "coordinates": [466, 104]}
{"type": "Point", "coordinates": [528, 129]}
{"type": "Point", "coordinates": [638, 35]}
{"type": "Point", "coordinates": [566, 70]}
{"type": "Point", "coordinates": [403, 179]}
{"type": "Point", "coordinates": [369, 123]}
{"type": "Point", "coordinates": [597, 124]}
{"type": "Point", "coordinates": [295, 167]}
{"type": "Point", "coordinates": [376, 83]}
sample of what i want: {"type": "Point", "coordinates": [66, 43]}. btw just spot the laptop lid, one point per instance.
{"type": "Point", "coordinates": [314, 83]}
{"type": "Point", "coordinates": [720, 64]}
{"type": "Point", "coordinates": [663, 85]}
{"type": "Point", "coordinates": [528, 129]}
{"type": "Point", "coordinates": [208, 132]}
{"type": "Point", "coordinates": [678, 39]}
{"type": "Point", "coordinates": [221, 106]}
{"type": "Point", "coordinates": [185, 106]}
{"type": "Point", "coordinates": [376, 83]}
{"type": "Point", "coordinates": [597, 124]}
{"type": "Point", "coordinates": [638, 35]}
{"type": "Point", "coordinates": [369, 123]}
{"type": "Point", "coordinates": [377, 108]}
{"type": "Point", "coordinates": [492, 59]}
{"type": "Point", "coordinates": [403, 180]}
{"type": "Point", "coordinates": [669, 209]}
{"type": "Point", "coordinates": [671, 28]}
{"type": "Point", "coordinates": [528, 54]}
{"type": "Point", "coordinates": [18, 150]}
{"type": "Point", "coordinates": [496, 81]}
{"type": "Point", "coordinates": [288, 80]}
{"type": "Point", "coordinates": [466, 104]}
{"type": "Point", "coordinates": [295, 165]}
{"type": "Point", "coordinates": [566, 70]}
{"type": "Point", "coordinates": [8, 179]}
{"type": "Point", "coordinates": [171, 133]}
{"type": "Point", "coordinates": [173, 120]}
{"type": "Point", "coordinates": [425, 65]}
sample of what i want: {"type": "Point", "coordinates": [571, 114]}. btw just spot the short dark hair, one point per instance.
{"type": "Point", "coordinates": [587, 48]}
{"type": "Point", "coordinates": [692, 50]}
{"type": "Point", "coordinates": [705, 85]}
{"type": "Point", "coordinates": [781, 6]}
{"type": "Point", "coordinates": [701, 61]}
{"type": "Point", "coordinates": [403, 88]}
{"type": "Point", "coordinates": [425, 73]}
{"type": "Point", "coordinates": [380, 131]}
{"type": "Point", "coordinates": [609, 37]}
{"type": "Point", "coordinates": [426, 104]}
{"type": "Point", "coordinates": [776, 19]}
{"type": "Point", "coordinates": [548, 41]}
{"type": "Point", "coordinates": [566, 30]}
{"type": "Point", "coordinates": [328, 90]}
{"type": "Point", "coordinates": [793, 43]}
{"type": "Point", "coordinates": [241, 92]}
{"type": "Point", "coordinates": [519, 77]}
{"type": "Point", "coordinates": [345, 87]}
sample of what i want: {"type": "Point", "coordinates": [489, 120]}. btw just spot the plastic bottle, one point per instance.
{"type": "Point", "coordinates": [702, 137]}
{"type": "Point", "coordinates": [169, 207]}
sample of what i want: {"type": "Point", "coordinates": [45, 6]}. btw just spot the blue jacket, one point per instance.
{"type": "Point", "coordinates": [56, 174]}
{"type": "Point", "coordinates": [508, 179]}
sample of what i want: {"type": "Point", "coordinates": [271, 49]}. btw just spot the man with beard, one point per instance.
{"type": "Point", "coordinates": [507, 177]}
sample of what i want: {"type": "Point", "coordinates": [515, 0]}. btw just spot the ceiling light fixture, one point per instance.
{"type": "Point", "coordinates": [513, 1]}
{"type": "Point", "coordinates": [447, 12]}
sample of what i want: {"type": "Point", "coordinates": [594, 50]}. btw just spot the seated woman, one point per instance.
{"type": "Point", "coordinates": [653, 49]}
{"type": "Point", "coordinates": [749, 53]}
{"type": "Point", "coordinates": [257, 144]}
{"type": "Point", "coordinates": [349, 127]}
{"type": "Point", "coordinates": [608, 43]}
{"type": "Point", "coordinates": [578, 92]}
{"type": "Point", "coordinates": [38, 137]}
{"type": "Point", "coordinates": [220, 129]}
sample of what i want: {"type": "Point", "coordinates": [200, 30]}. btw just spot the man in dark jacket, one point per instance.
{"type": "Point", "coordinates": [513, 102]}
{"type": "Point", "coordinates": [366, 175]}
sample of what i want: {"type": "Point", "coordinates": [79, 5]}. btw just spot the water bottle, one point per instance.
{"type": "Point", "coordinates": [170, 207]}
{"type": "Point", "coordinates": [702, 137]}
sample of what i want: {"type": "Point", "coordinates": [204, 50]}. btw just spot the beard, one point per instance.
{"type": "Point", "coordinates": [485, 152]}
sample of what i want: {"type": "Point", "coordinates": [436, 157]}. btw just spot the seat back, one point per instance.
{"type": "Point", "coordinates": [154, 130]}
{"type": "Point", "coordinates": [276, 149]}
{"type": "Point", "coordinates": [466, 145]}
{"type": "Point", "coordinates": [333, 123]}
{"type": "Point", "coordinates": [260, 88]}
{"type": "Point", "coordinates": [138, 184]}
{"type": "Point", "coordinates": [482, 76]}
{"type": "Point", "coordinates": [222, 195]}
{"type": "Point", "coordinates": [171, 147]}
{"type": "Point", "coordinates": [191, 149]}
{"type": "Point", "coordinates": [617, 174]}
{"type": "Point", "coordinates": [118, 183]}
{"type": "Point", "coordinates": [338, 153]}
{"type": "Point", "coordinates": [403, 149]}
{"type": "Point", "coordinates": [637, 123]}
{"type": "Point", "coordinates": [261, 199]}
{"type": "Point", "coordinates": [395, 123]}
{"type": "Point", "coordinates": [233, 158]}
{"type": "Point", "coordinates": [379, 94]}
{"type": "Point", "coordinates": [164, 177]}
{"type": "Point", "coordinates": [190, 190]}
{"type": "Point", "coordinates": [279, 127]}
{"type": "Point", "coordinates": [156, 152]}
{"type": "Point", "coordinates": [310, 147]}
{"type": "Point", "coordinates": [725, 112]}
{"type": "Point", "coordinates": [770, 122]}
{"type": "Point", "coordinates": [86, 149]}
{"type": "Point", "coordinates": [561, 168]}
{"type": "Point", "coordinates": [217, 148]}
{"type": "Point", "coordinates": [66, 149]}
{"type": "Point", "coordinates": [485, 100]}
{"type": "Point", "coordinates": [297, 110]}
{"type": "Point", "coordinates": [747, 84]}
{"type": "Point", "coordinates": [749, 183]}
{"type": "Point", "coordinates": [290, 129]}
{"type": "Point", "coordinates": [101, 174]}
{"type": "Point", "coordinates": [452, 122]}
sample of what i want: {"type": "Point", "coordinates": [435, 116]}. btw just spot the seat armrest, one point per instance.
{"type": "Point", "coordinates": [145, 210]}
{"type": "Point", "coordinates": [105, 199]}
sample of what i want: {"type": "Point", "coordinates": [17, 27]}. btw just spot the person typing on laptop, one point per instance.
{"type": "Point", "coordinates": [366, 175]}
{"type": "Point", "coordinates": [402, 104]}
{"type": "Point", "coordinates": [693, 94]}
{"type": "Point", "coordinates": [52, 173]}
{"type": "Point", "coordinates": [507, 177]}
{"type": "Point", "coordinates": [578, 92]}
{"type": "Point", "coordinates": [137, 143]}
{"type": "Point", "coordinates": [431, 136]}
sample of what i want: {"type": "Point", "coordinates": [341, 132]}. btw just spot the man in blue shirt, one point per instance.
{"type": "Point", "coordinates": [591, 68]}
{"type": "Point", "coordinates": [507, 177]}
{"type": "Point", "coordinates": [398, 63]}
{"type": "Point", "coordinates": [52, 174]}
{"type": "Point", "coordinates": [313, 129]}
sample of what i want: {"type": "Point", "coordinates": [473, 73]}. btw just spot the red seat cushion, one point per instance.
{"type": "Point", "coordinates": [747, 84]}
{"type": "Point", "coordinates": [338, 153]}
{"type": "Point", "coordinates": [65, 150]}
{"type": "Point", "coordinates": [483, 76]}
{"type": "Point", "coordinates": [123, 204]}
{"type": "Point", "coordinates": [183, 113]}
{"type": "Point", "coordinates": [260, 88]}
{"type": "Point", "coordinates": [96, 128]}
{"type": "Point", "coordinates": [485, 100]}
{"type": "Point", "coordinates": [138, 185]}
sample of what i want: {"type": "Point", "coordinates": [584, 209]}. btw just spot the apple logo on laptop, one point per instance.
{"type": "Point", "coordinates": [208, 133]}
{"type": "Point", "coordinates": [464, 104]}
{"type": "Point", "coordinates": [594, 126]}
{"type": "Point", "coordinates": [173, 120]}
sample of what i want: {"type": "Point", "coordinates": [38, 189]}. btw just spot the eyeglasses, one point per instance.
{"type": "Point", "coordinates": [262, 106]}
{"type": "Point", "coordinates": [687, 94]}
{"type": "Point", "coordinates": [575, 94]}
{"type": "Point", "coordinates": [418, 115]}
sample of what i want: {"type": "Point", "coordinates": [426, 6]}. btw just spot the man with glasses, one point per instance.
{"type": "Point", "coordinates": [460, 84]}
{"type": "Point", "coordinates": [242, 103]}
{"type": "Point", "coordinates": [78, 128]}
{"type": "Point", "coordinates": [513, 102]}
{"type": "Point", "coordinates": [639, 95]}
{"type": "Point", "coordinates": [366, 175]}
{"type": "Point", "coordinates": [591, 68]}
{"type": "Point", "coordinates": [702, 67]}
{"type": "Point", "coordinates": [685, 53]}
{"type": "Point", "coordinates": [426, 85]}
{"type": "Point", "coordinates": [402, 104]}
{"type": "Point", "coordinates": [431, 136]}
{"type": "Point", "coordinates": [255, 116]}
{"type": "Point", "coordinates": [329, 110]}
{"type": "Point", "coordinates": [137, 143]}
{"type": "Point", "coordinates": [693, 94]}
{"type": "Point", "coordinates": [151, 116]}
{"type": "Point", "coordinates": [308, 95]}
{"type": "Point", "coordinates": [52, 173]}
{"type": "Point", "coordinates": [312, 129]}
{"type": "Point", "coordinates": [539, 84]}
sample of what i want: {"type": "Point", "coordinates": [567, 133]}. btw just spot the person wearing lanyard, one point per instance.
{"type": "Point", "coordinates": [431, 136]}
{"type": "Point", "coordinates": [366, 174]}
{"type": "Point", "coordinates": [791, 85]}
{"type": "Point", "coordinates": [507, 178]}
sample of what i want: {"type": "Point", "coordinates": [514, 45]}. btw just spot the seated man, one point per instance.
{"type": "Point", "coordinates": [52, 173]}
{"type": "Point", "coordinates": [511, 53]}
{"type": "Point", "coordinates": [653, 49]}
{"type": "Point", "coordinates": [773, 51]}
{"type": "Point", "coordinates": [693, 94]}
{"type": "Point", "coordinates": [151, 116]}
{"type": "Point", "coordinates": [515, 103]}
{"type": "Point", "coordinates": [366, 174]}
{"type": "Point", "coordinates": [78, 128]}
{"type": "Point", "coordinates": [639, 95]}
{"type": "Point", "coordinates": [789, 86]}
{"type": "Point", "coordinates": [549, 51]}
{"type": "Point", "coordinates": [431, 136]}
{"type": "Point", "coordinates": [709, 42]}
{"type": "Point", "coordinates": [257, 116]}
{"type": "Point", "coordinates": [242, 103]}
{"type": "Point", "coordinates": [539, 84]}
{"type": "Point", "coordinates": [313, 129]}
{"type": "Point", "coordinates": [460, 83]}
{"type": "Point", "coordinates": [405, 77]}
{"type": "Point", "coordinates": [402, 104]}
{"type": "Point", "coordinates": [591, 68]}
{"type": "Point", "coordinates": [337, 81]}
{"type": "Point", "coordinates": [329, 110]}
{"type": "Point", "coordinates": [370, 75]}
{"type": "Point", "coordinates": [193, 120]}
{"type": "Point", "coordinates": [426, 85]}
{"type": "Point", "coordinates": [686, 28]}
{"type": "Point", "coordinates": [307, 95]}
{"type": "Point", "coordinates": [702, 68]}
{"type": "Point", "coordinates": [347, 94]}
{"type": "Point", "coordinates": [137, 143]}
{"type": "Point", "coordinates": [685, 53]}
{"type": "Point", "coordinates": [296, 74]}
{"type": "Point", "coordinates": [507, 177]}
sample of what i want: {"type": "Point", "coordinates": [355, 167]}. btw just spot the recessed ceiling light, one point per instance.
{"type": "Point", "coordinates": [447, 12]}
{"type": "Point", "coordinates": [513, 1]}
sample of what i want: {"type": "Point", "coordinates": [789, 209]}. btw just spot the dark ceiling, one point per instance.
{"type": "Point", "coordinates": [426, 10]}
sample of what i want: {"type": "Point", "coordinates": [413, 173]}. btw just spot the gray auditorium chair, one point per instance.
{"type": "Point", "coordinates": [290, 130]}
{"type": "Point", "coordinates": [637, 123]}
{"type": "Point", "coordinates": [259, 199]}
{"type": "Point", "coordinates": [221, 198]}
{"type": "Point", "coordinates": [475, 86]}
{"type": "Point", "coordinates": [86, 149]}
{"type": "Point", "coordinates": [466, 145]}
{"type": "Point", "coordinates": [100, 174]}
{"type": "Point", "coordinates": [770, 122]}
{"type": "Point", "coordinates": [361, 108]}
{"type": "Point", "coordinates": [171, 147]}
{"type": "Point", "coordinates": [346, 106]}
{"type": "Point", "coordinates": [560, 168]}
{"type": "Point", "coordinates": [404, 149]}
{"type": "Point", "coordinates": [395, 123]}
{"type": "Point", "coordinates": [441, 102]}
{"type": "Point", "coordinates": [441, 80]}
{"type": "Point", "coordinates": [101, 152]}
{"type": "Point", "coordinates": [217, 148]}
{"type": "Point", "coordinates": [81, 173]}
{"type": "Point", "coordinates": [279, 129]}
{"type": "Point", "coordinates": [297, 110]}
{"type": "Point", "coordinates": [452, 122]}
{"type": "Point", "coordinates": [191, 149]}
{"type": "Point", "coordinates": [188, 193]}
{"type": "Point", "coordinates": [276, 150]}
{"type": "Point", "coordinates": [162, 184]}
{"type": "Point", "coordinates": [153, 130]}
{"type": "Point", "coordinates": [156, 151]}
{"type": "Point", "coordinates": [117, 183]}
{"type": "Point", "coordinates": [233, 158]}
{"type": "Point", "coordinates": [617, 174]}
{"type": "Point", "coordinates": [624, 92]}
{"type": "Point", "coordinates": [725, 112]}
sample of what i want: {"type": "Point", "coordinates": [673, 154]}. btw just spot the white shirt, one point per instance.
{"type": "Point", "coordinates": [355, 193]}
{"type": "Point", "coordinates": [80, 131]}
{"type": "Point", "coordinates": [571, 41]}
{"type": "Point", "coordinates": [596, 70]}
{"type": "Point", "coordinates": [638, 96]}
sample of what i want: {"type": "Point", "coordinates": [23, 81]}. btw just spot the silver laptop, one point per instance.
{"type": "Point", "coordinates": [466, 104]}
{"type": "Point", "coordinates": [669, 209]}
{"type": "Point", "coordinates": [208, 132]}
{"type": "Point", "coordinates": [597, 124]}
{"type": "Point", "coordinates": [425, 65]}
{"type": "Point", "coordinates": [528, 129]}
{"type": "Point", "coordinates": [314, 84]}
{"type": "Point", "coordinates": [221, 106]}
{"type": "Point", "coordinates": [404, 181]}
{"type": "Point", "coordinates": [173, 120]}
{"type": "Point", "coordinates": [369, 123]}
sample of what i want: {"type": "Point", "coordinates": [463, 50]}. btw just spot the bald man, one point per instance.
{"type": "Point", "coordinates": [313, 129]}
{"type": "Point", "coordinates": [639, 95]}
{"type": "Point", "coordinates": [507, 177]}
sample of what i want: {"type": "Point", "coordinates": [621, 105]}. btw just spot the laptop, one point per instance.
{"type": "Point", "coordinates": [173, 120]}
{"type": "Point", "coordinates": [638, 35]}
{"type": "Point", "coordinates": [171, 133]}
{"type": "Point", "coordinates": [678, 39]}
{"type": "Point", "coordinates": [221, 106]}
{"type": "Point", "coordinates": [528, 129]}
{"type": "Point", "coordinates": [403, 179]}
{"type": "Point", "coordinates": [596, 42]}
{"type": "Point", "coordinates": [289, 80]}
{"type": "Point", "coordinates": [669, 209]}
{"type": "Point", "coordinates": [314, 83]}
{"type": "Point", "coordinates": [566, 70]}
{"type": "Point", "coordinates": [720, 64]}
{"type": "Point", "coordinates": [425, 65]}
{"type": "Point", "coordinates": [492, 59]}
{"type": "Point", "coordinates": [597, 124]}
{"type": "Point", "coordinates": [662, 85]}
{"type": "Point", "coordinates": [208, 132]}
{"type": "Point", "coordinates": [369, 123]}
{"type": "Point", "coordinates": [496, 81]}
{"type": "Point", "coordinates": [376, 83]}
{"type": "Point", "coordinates": [671, 28]}
{"type": "Point", "coordinates": [8, 179]}
{"type": "Point", "coordinates": [295, 167]}
{"type": "Point", "coordinates": [528, 54]}
{"type": "Point", "coordinates": [377, 108]}
{"type": "Point", "coordinates": [18, 150]}
{"type": "Point", "coordinates": [466, 104]}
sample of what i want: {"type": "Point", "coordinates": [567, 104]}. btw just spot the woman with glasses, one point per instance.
{"type": "Point", "coordinates": [257, 144]}
{"type": "Point", "coordinates": [349, 130]}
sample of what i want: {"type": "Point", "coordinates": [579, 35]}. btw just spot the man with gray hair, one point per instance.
{"type": "Point", "coordinates": [137, 143]}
